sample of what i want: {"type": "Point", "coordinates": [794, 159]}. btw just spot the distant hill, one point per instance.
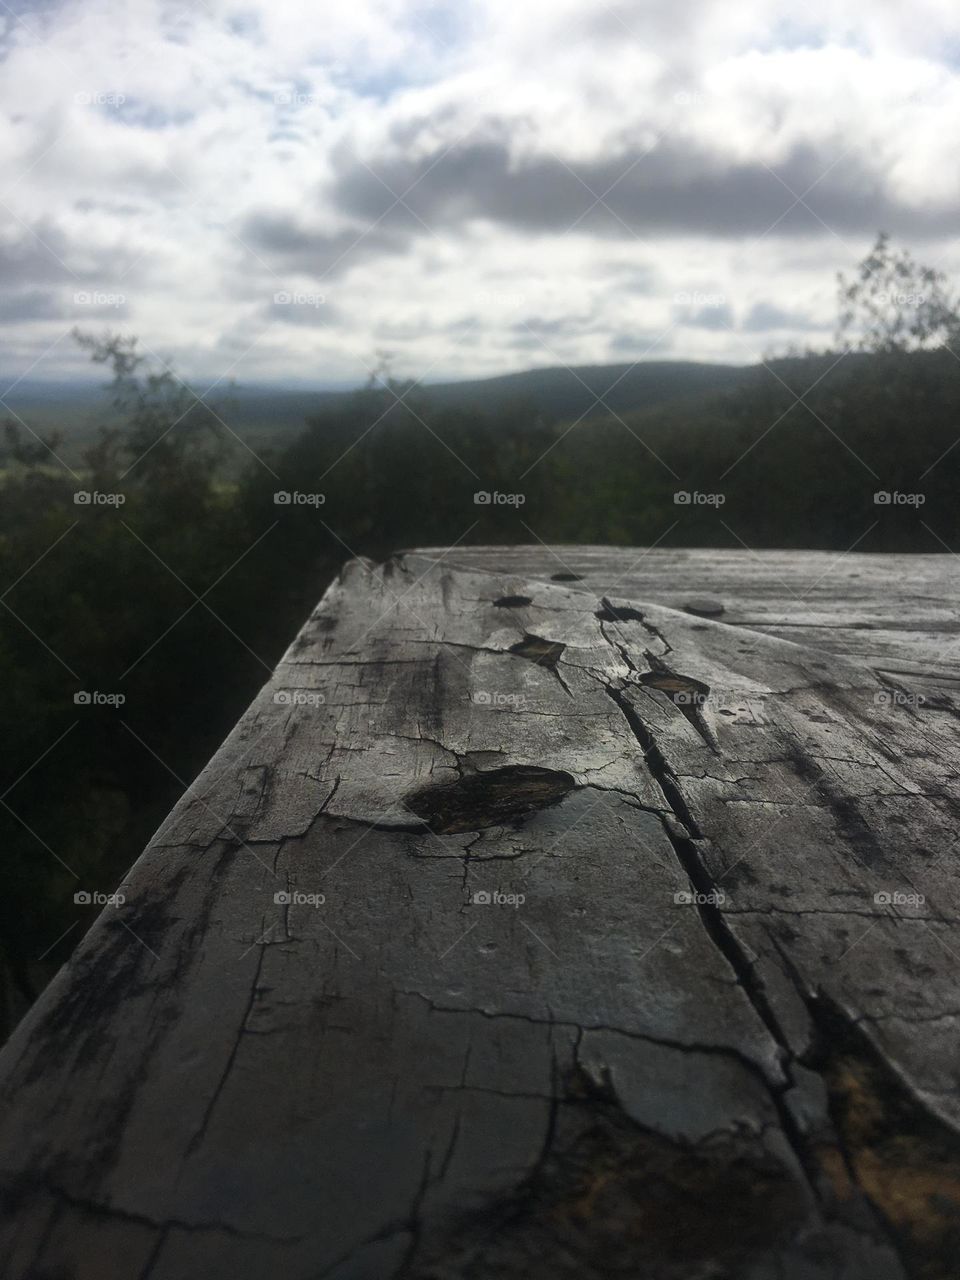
{"type": "Point", "coordinates": [562, 393]}
{"type": "Point", "coordinates": [567, 393]}
{"type": "Point", "coordinates": [273, 414]}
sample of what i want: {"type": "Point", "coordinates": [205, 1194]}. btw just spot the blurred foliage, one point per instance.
{"type": "Point", "coordinates": [183, 598]}
{"type": "Point", "coordinates": [894, 303]}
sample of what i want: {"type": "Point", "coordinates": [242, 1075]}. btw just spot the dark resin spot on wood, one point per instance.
{"type": "Point", "coordinates": [704, 606]}
{"type": "Point", "coordinates": [566, 577]}
{"type": "Point", "coordinates": [611, 613]}
{"type": "Point", "coordinates": [682, 690]}
{"type": "Point", "coordinates": [491, 799]}
{"type": "Point", "coordinates": [512, 602]}
{"type": "Point", "coordinates": [689, 696]}
{"type": "Point", "coordinates": [545, 653]}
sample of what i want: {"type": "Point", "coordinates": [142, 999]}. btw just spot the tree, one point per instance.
{"type": "Point", "coordinates": [895, 303]}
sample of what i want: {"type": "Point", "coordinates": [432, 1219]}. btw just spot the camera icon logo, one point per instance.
{"type": "Point", "coordinates": [882, 498]}
{"type": "Point", "coordinates": [482, 898]}
{"type": "Point", "coordinates": [482, 697]}
{"type": "Point", "coordinates": [82, 898]}
{"type": "Point", "coordinates": [883, 898]}
{"type": "Point", "coordinates": [683, 898]}
{"type": "Point", "coordinates": [82, 698]}
{"type": "Point", "coordinates": [82, 498]}
{"type": "Point", "coordinates": [281, 498]}
{"type": "Point", "coordinates": [682, 498]}
{"type": "Point", "coordinates": [282, 898]}
{"type": "Point", "coordinates": [482, 498]}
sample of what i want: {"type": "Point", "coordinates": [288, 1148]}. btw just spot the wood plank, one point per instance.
{"type": "Point", "coordinates": [872, 607]}
{"type": "Point", "coordinates": [704, 1026]}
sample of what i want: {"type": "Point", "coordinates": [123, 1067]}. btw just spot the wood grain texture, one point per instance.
{"type": "Point", "coordinates": [900, 610]}
{"type": "Point", "coordinates": [523, 928]}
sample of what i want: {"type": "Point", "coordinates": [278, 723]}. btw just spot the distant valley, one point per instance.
{"type": "Point", "coordinates": [274, 414]}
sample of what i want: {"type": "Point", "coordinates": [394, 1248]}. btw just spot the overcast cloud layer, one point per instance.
{"type": "Point", "coordinates": [276, 191]}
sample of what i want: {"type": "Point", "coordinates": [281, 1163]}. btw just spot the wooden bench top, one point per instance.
{"type": "Point", "coordinates": [573, 912]}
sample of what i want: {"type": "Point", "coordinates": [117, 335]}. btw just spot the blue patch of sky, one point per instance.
{"type": "Point", "coordinates": [794, 34]}
{"type": "Point", "coordinates": [136, 113]}
{"type": "Point", "coordinates": [245, 22]}
{"type": "Point", "coordinates": [443, 24]}
{"type": "Point", "coordinates": [948, 52]}
{"type": "Point", "coordinates": [30, 8]}
{"type": "Point", "coordinates": [380, 85]}
{"type": "Point", "coordinates": [438, 30]}
{"type": "Point", "coordinates": [788, 33]}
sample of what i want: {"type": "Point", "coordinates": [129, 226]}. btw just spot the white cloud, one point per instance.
{"type": "Point", "coordinates": [200, 160]}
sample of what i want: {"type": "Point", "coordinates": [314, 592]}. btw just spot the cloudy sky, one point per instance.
{"type": "Point", "coordinates": [276, 190]}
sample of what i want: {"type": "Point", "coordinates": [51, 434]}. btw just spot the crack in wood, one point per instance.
{"type": "Point", "coordinates": [608, 1197]}
{"type": "Point", "coordinates": [905, 1161]}
{"type": "Point", "coordinates": [757, 1087]}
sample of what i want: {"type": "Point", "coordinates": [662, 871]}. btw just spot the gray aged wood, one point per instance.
{"type": "Point", "coordinates": [532, 928]}
{"type": "Point", "coordinates": [901, 610]}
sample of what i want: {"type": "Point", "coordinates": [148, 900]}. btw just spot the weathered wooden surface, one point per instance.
{"type": "Point", "coordinates": [700, 1046]}
{"type": "Point", "coordinates": [899, 611]}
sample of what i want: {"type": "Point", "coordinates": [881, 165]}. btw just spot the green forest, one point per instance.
{"type": "Point", "coordinates": [163, 575]}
